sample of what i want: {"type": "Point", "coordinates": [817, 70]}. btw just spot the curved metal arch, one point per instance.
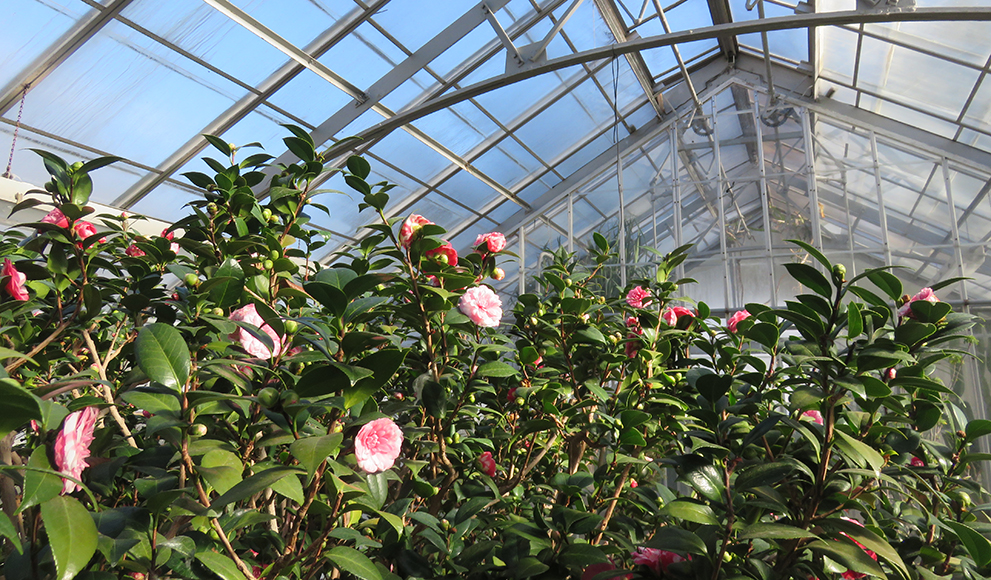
{"type": "Point", "coordinates": [790, 22]}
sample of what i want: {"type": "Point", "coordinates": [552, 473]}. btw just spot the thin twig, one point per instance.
{"type": "Point", "coordinates": [108, 396]}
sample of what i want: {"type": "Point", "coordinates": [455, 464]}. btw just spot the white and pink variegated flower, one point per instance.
{"type": "Point", "coordinates": [72, 445]}
{"type": "Point", "coordinates": [251, 344]}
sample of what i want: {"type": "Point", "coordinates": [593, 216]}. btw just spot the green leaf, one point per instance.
{"type": "Point", "coordinates": [220, 565]}
{"type": "Point", "coordinates": [222, 469]}
{"type": "Point", "coordinates": [221, 145]}
{"type": "Point", "coordinates": [227, 291]}
{"type": "Point", "coordinates": [529, 567]}
{"type": "Point", "coordinates": [848, 554]}
{"type": "Point", "coordinates": [384, 364]}
{"type": "Point", "coordinates": [8, 531]}
{"type": "Point", "coordinates": [71, 535]}
{"type": "Point", "coordinates": [813, 252]}
{"type": "Point", "coordinates": [774, 531]}
{"type": "Point", "coordinates": [764, 333]}
{"type": "Point", "coordinates": [353, 562]}
{"type": "Point", "coordinates": [887, 282]}
{"type": "Point", "coordinates": [677, 540]}
{"type": "Point", "coordinates": [359, 166]}
{"type": "Point", "coordinates": [810, 277]}
{"type": "Point", "coordinates": [858, 451]}
{"type": "Point", "coordinates": [39, 487]}
{"type": "Point", "coordinates": [378, 488]}
{"type": "Point", "coordinates": [162, 355]}
{"type": "Point", "coordinates": [976, 544]}
{"type": "Point", "coordinates": [855, 320]}
{"type": "Point", "coordinates": [19, 406]}
{"type": "Point", "coordinates": [977, 428]}
{"type": "Point", "coordinates": [869, 540]}
{"type": "Point", "coordinates": [763, 474]}
{"type": "Point", "coordinates": [331, 297]}
{"type": "Point", "coordinates": [691, 512]}
{"type": "Point", "coordinates": [496, 369]}
{"type": "Point", "coordinates": [311, 451]}
{"type": "Point", "coordinates": [252, 485]}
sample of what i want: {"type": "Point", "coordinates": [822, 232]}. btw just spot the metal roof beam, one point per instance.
{"type": "Point", "coordinates": [790, 22]}
{"type": "Point", "coordinates": [246, 104]}
{"type": "Point", "coordinates": [59, 51]}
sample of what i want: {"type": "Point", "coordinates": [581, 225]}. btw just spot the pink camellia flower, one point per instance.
{"type": "Point", "coordinates": [487, 464]}
{"type": "Point", "coordinates": [498, 274]}
{"type": "Point", "coordinates": [634, 484]}
{"type": "Point", "coordinates": [656, 560]}
{"type": "Point", "coordinates": [15, 281]}
{"type": "Point", "coordinates": [891, 374]}
{"type": "Point", "coordinates": [83, 229]}
{"type": "Point", "coordinates": [632, 346]}
{"type": "Point", "coordinates": [72, 445]}
{"type": "Point", "coordinates": [377, 445]}
{"type": "Point", "coordinates": [850, 574]}
{"type": "Point", "coordinates": [494, 241]}
{"type": "Point", "coordinates": [638, 297]}
{"type": "Point", "coordinates": [595, 569]}
{"type": "Point", "coordinates": [410, 228]}
{"type": "Point", "coordinates": [926, 294]}
{"type": "Point", "coordinates": [482, 305]}
{"type": "Point", "coordinates": [134, 251]}
{"type": "Point", "coordinates": [671, 315]}
{"type": "Point", "coordinates": [174, 247]}
{"type": "Point", "coordinates": [511, 395]}
{"type": "Point", "coordinates": [57, 218]}
{"type": "Point", "coordinates": [445, 254]}
{"type": "Point", "coordinates": [737, 317]}
{"type": "Point", "coordinates": [248, 342]}
{"type": "Point", "coordinates": [917, 462]}
{"type": "Point", "coordinates": [816, 416]}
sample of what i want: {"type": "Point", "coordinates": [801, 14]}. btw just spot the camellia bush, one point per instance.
{"type": "Point", "coordinates": [211, 402]}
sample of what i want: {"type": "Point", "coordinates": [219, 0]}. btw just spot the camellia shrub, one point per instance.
{"type": "Point", "coordinates": [211, 402]}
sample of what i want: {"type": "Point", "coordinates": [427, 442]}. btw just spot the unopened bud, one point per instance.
{"type": "Point", "coordinates": [498, 274]}
{"type": "Point", "coordinates": [839, 273]}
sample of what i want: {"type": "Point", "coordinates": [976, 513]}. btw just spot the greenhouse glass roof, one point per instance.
{"type": "Point", "coordinates": [863, 127]}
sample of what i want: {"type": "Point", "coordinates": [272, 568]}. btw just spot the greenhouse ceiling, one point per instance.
{"type": "Point", "coordinates": [862, 126]}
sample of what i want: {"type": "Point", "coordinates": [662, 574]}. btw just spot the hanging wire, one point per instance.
{"type": "Point", "coordinates": [13, 142]}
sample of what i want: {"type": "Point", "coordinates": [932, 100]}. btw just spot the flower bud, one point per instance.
{"type": "Point", "coordinates": [192, 280]}
{"type": "Point", "coordinates": [839, 273]}
{"type": "Point", "coordinates": [498, 274]}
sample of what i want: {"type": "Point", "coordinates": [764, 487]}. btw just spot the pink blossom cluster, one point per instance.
{"type": "Point", "coordinates": [15, 281]}
{"type": "Point", "coordinates": [926, 294]}
{"type": "Point", "coordinates": [72, 445]}
{"type": "Point", "coordinates": [487, 463]}
{"type": "Point", "coordinates": [816, 416]}
{"type": "Point", "coordinates": [482, 305]}
{"type": "Point", "coordinates": [675, 313]}
{"type": "Point", "coordinates": [655, 559]}
{"type": "Point", "coordinates": [248, 342]}
{"type": "Point", "coordinates": [638, 297]}
{"type": "Point", "coordinates": [378, 444]}
{"type": "Point", "coordinates": [738, 317]}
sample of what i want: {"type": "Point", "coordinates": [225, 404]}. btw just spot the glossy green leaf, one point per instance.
{"type": "Point", "coordinates": [766, 531]}
{"type": "Point", "coordinates": [230, 284]}
{"type": "Point", "coordinates": [978, 428]}
{"type": "Point", "coordinates": [220, 565]}
{"type": "Point", "coordinates": [330, 296]}
{"type": "Point", "coordinates": [312, 451]}
{"type": "Point", "coordinates": [691, 512]}
{"type": "Point", "coordinates": [71, 535]}
{"type": "Point", "coordinates": [253, 484]}
{"type": "Point", "coordinates": [859, 452]}
{"type": "Point", "coordinates": [19, 406]}
{"type": "Point", "coordinates": [496, 369]}
{"type": "Point", "coordinates": [677, 540]}
{"type": "Point", "coordinates": [976, 544]}
{"type": "Point", "coordinates": [811, 278]}
{"type": "Point", "coordinates": [855, 320]}
{"type": "Point", "coordinates": [39, 486]}
{"type": "Point", "coordinates": [8, 531]}
{"type": "Point", "coordinates": [162, 355]}
{"type": "Point", "coordinates": [763, 474]}
{"type": "Point", "coordinates": [869, 540]}
{"type": "Point", "coordinates": [353, 562]}
{"type": "Point", "coordinates": [848, 554]}
{"type": "Point", "coordinates": [764, 333]}
{"type": "Point", "coordinates": [887, 282]}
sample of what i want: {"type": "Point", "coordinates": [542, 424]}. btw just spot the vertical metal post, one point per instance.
{"type": "Point", "coordinates": [571, 221]}
{"type": "Point", "coordinates": [622, 218]}
{"type": "Point", "coordinates": [653, 219]}
{"type": "Point", "coordinates": [521, 236]}
{"type": "Point", "coordinates": [810, 179]}
{"type": "Point", "coordinates": [955, 231]}
{"type": "Point", "coordinates": [764, 199]}
{"type": "Point", "coordinates": [882, 217]}
{"type": "Point", "coordinates": [676, 193]}
{"type": "Point", "coordinates": [721, 185]}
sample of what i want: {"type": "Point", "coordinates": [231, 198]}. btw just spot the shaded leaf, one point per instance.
{"type": "Point", "coordinates": [71, 534]}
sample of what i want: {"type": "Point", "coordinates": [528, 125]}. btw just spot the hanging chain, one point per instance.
{"type": "Point", "coordinates": [17, 126]}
